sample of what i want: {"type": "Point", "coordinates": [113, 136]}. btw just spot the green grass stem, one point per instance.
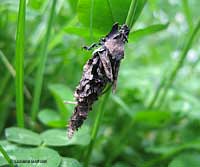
{"type": "Point", "coordinates": [41, 67]}
{"type": "Point", "coordinates": [187, 12]}
{"type": "Point", "coordinates": [179, 64]}
{"type": "Point", "coordinates": [134, 12]}
{"type": "Point", "coordinates": [95, 129]}
{"type": "Point", "coordinates": [7, 64]}
{"type": "Point", "coordinates": [131, 13]}
{"type": "Point", "coordinates": [5, 155]}
{"type": "Point", "coordinates": [13, 73]}
{"type": "Point", "coordinates": [157, 92]}
{"type": "Point", "coordinates": [19, 63]}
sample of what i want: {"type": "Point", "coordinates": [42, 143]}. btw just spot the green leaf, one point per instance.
{"type": "Point", "coordinates": [8, 147]}
{"type": "Point", "coordinates": [163, 149]}
{"type": "Point", "coordinates": [73, 4]}
{"type": "Point", "coordinates": [58, 137]}
{"type": "Point", "coordinates": [62, 93]}
{"type": "Point", "coordinates": [152, 118]}
{"type": "Point", "coordinates": [119, 9]}
{"type": "Point", "coordinates": [186, 159]}
{"type": "Point", "coordinates": [140, 33]}
{"type": "Point", "coordinates": [175, 148]}
{"type": "Point", "coordinates": [70, 162]}
{"type": "Point", "coordinates": [51, 118]}
{"type": "Point", "coordinates": [41, 153]}
{"type": "Point", "coordinates": [103, 14]}
{"type": "Point", "coordinates": [83, 32]}
{"type": "Point", "coordinates": [46, 156]}
{"type": "Point", "coordinates": [22, 136]}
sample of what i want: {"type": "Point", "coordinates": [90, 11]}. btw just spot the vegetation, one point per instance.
{"type": "Point", "coordinates": [153, 118]}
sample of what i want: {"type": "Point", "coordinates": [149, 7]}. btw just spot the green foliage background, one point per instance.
{"type": "Point", "coordinates": [153, 118]}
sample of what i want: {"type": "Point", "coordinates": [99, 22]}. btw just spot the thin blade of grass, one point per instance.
{"type": "Point", "coordinates": [131, 13]}
{"type": "Point", "coordinates": [139, 7]}
{"type": "Point", "coordinates": [13, 73]}
{"type": "Point", "coordinates": [179, 64]}
{"type": "Point", "coordinates": [41, 67]}
{"type": "Point", "coordinates": [7, 64]}
{"type": "Point", "coordinates": [157, 92]}
{"type": "Point", "coordinates": [187, 12]}
{"type": "Point", "coordinates": [95, 129]}
{"type": "Point", "coordinates": [19, 63]}
{"type": "Point", "coordinates": [5, 155]}
{"type": "Point", "coordinates": [134, 12]}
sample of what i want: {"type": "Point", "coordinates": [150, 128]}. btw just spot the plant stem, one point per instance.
{"type": "Point", "coordinates": [179, 64]}
{"type": "Point", "coordinates": [5, 155]}
{"type": "Point", "coordinates": [7, 64]}
{"type": "Point", "coordinates": [19, 63]}
{"type": "Point", "coordinates": [187, 12]}
{"type": "Point", "coordinates": [95, 129]}
{"type": "Point", "coordinates": [156, 95]}
{"type": "Point", "coordinates": [131, 13]}
{"type": "Point", "coordinates": [134, 12]}
{"type": "Point", "coordinates": [13, 73]}
{"type": "Point", "coordinates": [41, 67]}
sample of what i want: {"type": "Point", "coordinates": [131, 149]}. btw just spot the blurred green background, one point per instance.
{"type": "Point", "coordinates": [135, 130]}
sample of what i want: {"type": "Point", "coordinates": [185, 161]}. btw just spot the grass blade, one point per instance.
{"type": "Point", "coordinates": [13, 73]}
{"type": "Point", "coordinates": [134, 11]}
{"type": "Point", "coordinates": [95, 129]}
{"type": "Point", "coordinates": [7, 64]}
{"type": "Point", "coordinates": [5, 155]}
{"type": "Point", "coordinates": [41, 67]}
{"type": "Point", "coordinates": [157, 92]}
{"type": "Point", "coordinates": [179, 64]}
{"type": "Point", "coordinates": [187, 12]}
{"type": "Point", "coordinates": [131, 13]}
{"type": "Point", "coordinates": [19, 63]}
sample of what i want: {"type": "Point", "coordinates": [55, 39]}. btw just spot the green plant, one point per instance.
{"type": "Point", "coordinates": [19, 60]}
{"type": "Point", "coordinates": [3, 152]}
{"type": "Point", "coordinates": [95, 129]}
{"type": "Point", "coordinates": [134, 126]}
{"type": "Point", "coordinates": [41, 66]}
{"type": "Point", "coordinates": [176, 69]}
